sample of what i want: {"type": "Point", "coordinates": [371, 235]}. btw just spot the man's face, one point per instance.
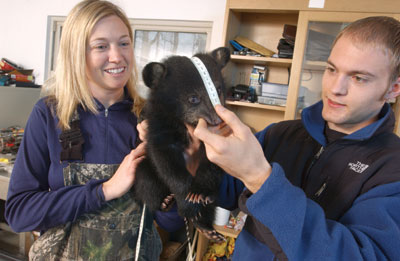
{"type": "Point", "coordinates": [354, 85]}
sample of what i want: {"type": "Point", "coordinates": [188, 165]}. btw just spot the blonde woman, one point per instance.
{"type": "Point", "coordinates": [77, 161]}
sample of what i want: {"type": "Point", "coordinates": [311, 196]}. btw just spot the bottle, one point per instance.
{"type": "Point", "coordinates": [256, 79]}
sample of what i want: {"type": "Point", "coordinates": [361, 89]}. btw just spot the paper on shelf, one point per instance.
{"type": "Point", "coordinates": [316, 4]}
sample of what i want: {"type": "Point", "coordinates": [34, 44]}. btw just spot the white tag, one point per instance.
{"type": "Point", "coordinates": [316, 4]}
{"type": "Point", "coordinates": [205, 76]}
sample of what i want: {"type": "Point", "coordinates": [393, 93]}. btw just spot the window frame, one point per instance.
{"type": "Point", "coordinates": [55, 24]}
{"type": "Point", "coordinates": [164, 25]}
{"type": "Point", "coordinates": [54, 30]}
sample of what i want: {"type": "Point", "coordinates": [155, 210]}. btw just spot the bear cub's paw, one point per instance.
{"type": "Point", "coordinates": [209, 232]}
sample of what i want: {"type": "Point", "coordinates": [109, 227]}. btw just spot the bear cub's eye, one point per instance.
{"type": "Point", "coordinates": [194, 99]}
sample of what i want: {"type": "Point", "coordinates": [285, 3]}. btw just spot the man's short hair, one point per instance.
{"type": "Point", "coordinates": [379, 31]}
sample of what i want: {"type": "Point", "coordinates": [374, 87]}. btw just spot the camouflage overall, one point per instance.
{"type": "Point", "coordinates": [108, 234]}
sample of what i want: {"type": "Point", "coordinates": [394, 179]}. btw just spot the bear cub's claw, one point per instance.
{"type": "Point", "coordinates": [198, 199]}
{"type": "Point", "coordinates": [210, 234]}
{"type": "Point", "coordinates": [167, 203]}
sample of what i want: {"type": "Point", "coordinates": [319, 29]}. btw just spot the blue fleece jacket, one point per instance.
{"type": "Point", "coordinates": [368, 230]}
{"type": "Point", "coordinates": [37, 198]}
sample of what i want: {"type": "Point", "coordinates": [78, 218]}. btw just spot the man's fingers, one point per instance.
{"type": "Point", "coordinates": [203, 133]}
{"type": "Point", "coordinates": [222, 129]}
{"type": "Point", "coordinates": [201, 129]}
{"type": "Point", "coordinates": [237, 127]}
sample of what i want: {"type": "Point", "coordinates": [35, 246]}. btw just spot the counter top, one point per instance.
{"type": "Point", "coordinates": [5, 173]}
{"type": "Point", "coordinates": [4, 181]}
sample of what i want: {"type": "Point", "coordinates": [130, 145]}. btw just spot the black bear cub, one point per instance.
{"type": "Point", "coordinates": [177, 97]}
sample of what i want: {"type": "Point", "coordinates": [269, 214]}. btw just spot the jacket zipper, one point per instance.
{"type": "Point", "coordinates": [318, 154]}
{"type": "Point", "coordinates": [106, 133]}
{"type": "Point", "coordinates": [316, 157]}
{"type": "Point", "coordinates": [323, 186]}
{"type": "Point", "coordinates": [321, 189]}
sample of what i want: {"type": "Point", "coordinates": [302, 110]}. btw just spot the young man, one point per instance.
{"type": "Point", "coordinates": [326, 187]}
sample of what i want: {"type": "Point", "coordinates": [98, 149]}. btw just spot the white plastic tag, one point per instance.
{"type": "Point", "coordinates": [316, 3]}
{"type": "Point", "coordinates": [205, 76]}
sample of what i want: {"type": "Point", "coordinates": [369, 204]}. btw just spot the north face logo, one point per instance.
{"type": "Point", "coordinates": [358, 167]}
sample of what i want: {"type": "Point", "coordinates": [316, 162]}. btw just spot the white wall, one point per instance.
{"type": "Point", "coordinates": [24, 28]}
{"type": "Point", "coordinates": [24, 23]}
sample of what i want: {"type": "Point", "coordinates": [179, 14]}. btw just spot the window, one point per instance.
{"type": "Point", "coordinates": [157, 39]}
{"type": "Point", "coordinates": [153, 40]}
{"type": "Point", "coordinates": [54, 29]}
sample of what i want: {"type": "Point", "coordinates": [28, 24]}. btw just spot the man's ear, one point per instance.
{"type": "Point", "coordinates": [394, 90]}
{"type": "Point", "coordinates": [153, 73]}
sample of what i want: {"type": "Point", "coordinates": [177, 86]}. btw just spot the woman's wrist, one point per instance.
{"type": "Point", "coordinates": [107, 191]}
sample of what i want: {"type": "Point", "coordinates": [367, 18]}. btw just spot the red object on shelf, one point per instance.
{"type": "Point", "coordinates": [7, 65]}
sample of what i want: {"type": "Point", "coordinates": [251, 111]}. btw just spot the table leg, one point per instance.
{"type": "Point", "coordinates": [202, 244]}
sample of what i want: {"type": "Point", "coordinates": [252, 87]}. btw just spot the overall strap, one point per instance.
{"type": "Point", "coordinates": [72, 140]}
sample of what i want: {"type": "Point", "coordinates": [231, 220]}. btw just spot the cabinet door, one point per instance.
{"type": "Point", "coordinates": [315, 35]}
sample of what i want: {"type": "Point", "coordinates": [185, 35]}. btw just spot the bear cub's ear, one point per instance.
{"type": "Point", "coordinates": [153, 73]}
{"type": "Point", "coordinates": [222, 55]}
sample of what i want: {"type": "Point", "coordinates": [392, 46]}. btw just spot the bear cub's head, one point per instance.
{"type": "Point", "coordinates": [177, 89]}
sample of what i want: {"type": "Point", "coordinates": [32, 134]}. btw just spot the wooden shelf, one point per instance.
{"type": "Point", "coordinates": [281, 62]}
{"type": "Point", "coordinates": [315, 65]}
{"type": "Point", "coordinates": [227, 231]}
{"type": "Point", "coordinates": [256, 105]}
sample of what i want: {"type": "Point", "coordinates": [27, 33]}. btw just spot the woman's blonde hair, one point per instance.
{"type": "Point", "coordinates": [68, 87]}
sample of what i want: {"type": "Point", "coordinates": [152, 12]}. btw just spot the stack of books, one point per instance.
{"type": "Point", "coordinates": [286, 44]}
{"type": "Point", "coordinates": [12, 74]}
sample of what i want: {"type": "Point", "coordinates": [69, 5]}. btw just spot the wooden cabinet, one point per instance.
{"type": "Point", "coordinates": [262, 21]}
{"type": "Point", "coordinates": [264, 28]}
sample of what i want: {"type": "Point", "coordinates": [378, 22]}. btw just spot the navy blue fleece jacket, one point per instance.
{"type": "Point", "coordinates": [369, 229]}
{"type": "Point", "coordinates": [37, 198]}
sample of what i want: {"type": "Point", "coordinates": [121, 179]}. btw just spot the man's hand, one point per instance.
{"type": "Point", "coordinates": [191, 153]}
{"type": "Point", "coordinates": [124, 178]}
{"type": "Point", "coordinates": [239, 153]}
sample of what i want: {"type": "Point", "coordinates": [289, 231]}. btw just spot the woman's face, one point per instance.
{"type": "Point", "coordinates": [109, 57]}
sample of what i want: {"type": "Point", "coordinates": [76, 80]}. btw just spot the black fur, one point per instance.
{"type": "Point", "coordinates": [178, 96]}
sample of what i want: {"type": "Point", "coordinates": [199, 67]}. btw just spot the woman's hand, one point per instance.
{"type": "Point", "coordinates": [124, 178]}
{"type": "Point", "coordinates": [142, 130]}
